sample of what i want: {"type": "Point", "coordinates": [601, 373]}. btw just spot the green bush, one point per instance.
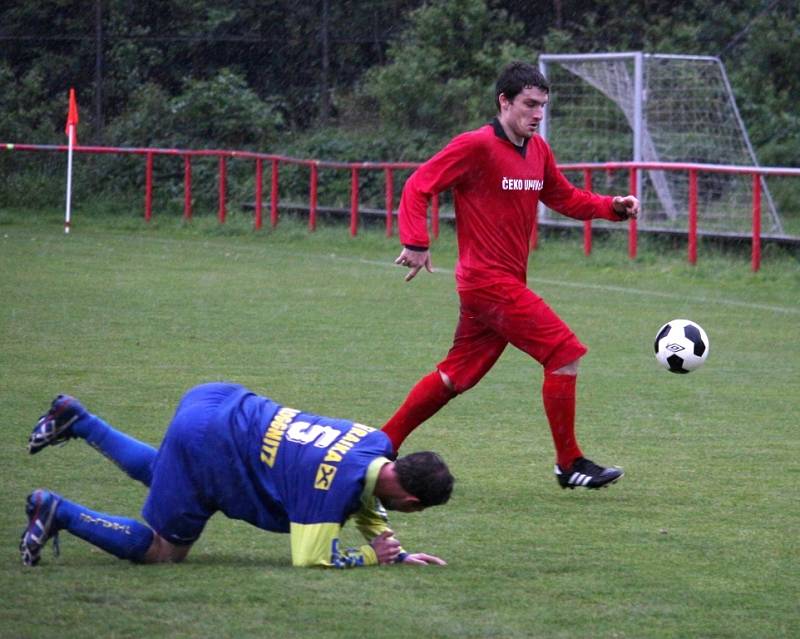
{"type": "Point", "coordinates": [221, 112]}
{"type": "Point", "coordinates": [348, 145]}
{"type": "Point", "coordinates": [443, 66]}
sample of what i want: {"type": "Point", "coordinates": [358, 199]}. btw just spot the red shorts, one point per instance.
{"type": "Point", "coordinates": [491, 318]}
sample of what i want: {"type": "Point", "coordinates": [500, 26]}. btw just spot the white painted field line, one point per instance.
{"type": "Point", "coordinates": [598, 287]}
{"type": "Point", "coordinates": [673, 296]}
{"type": "Point", "coordinates": [628, 291]}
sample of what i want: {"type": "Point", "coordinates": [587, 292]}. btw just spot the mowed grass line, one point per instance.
{"type": "Point", "coordinates": [696, 540]}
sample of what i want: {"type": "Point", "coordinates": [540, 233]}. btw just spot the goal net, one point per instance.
{"type": "Point", "coordinates": [620, 107]}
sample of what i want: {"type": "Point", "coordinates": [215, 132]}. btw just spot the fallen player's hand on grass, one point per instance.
{"type": "Point", "coordinates": [422, 559]}
{"type": "Point", "coordinates": [386, 547]}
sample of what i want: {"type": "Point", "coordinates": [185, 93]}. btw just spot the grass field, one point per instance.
{"type": "Point", "coordinates": [698, 540]}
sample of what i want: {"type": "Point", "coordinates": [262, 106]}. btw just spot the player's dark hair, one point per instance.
{"type": "Point", "coordinates": [425, 476]}
{"type": "Point", "coordinates": [514, 77]}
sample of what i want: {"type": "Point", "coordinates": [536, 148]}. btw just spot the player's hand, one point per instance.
{"type": "Point", "coordinates": [386, 547]}
{"type": "Point", "coordinates": [415, 260]}
{"type": "Point", "coordinates": [627, 207]}
{"type": "Point", "coordinates": [422, 559]}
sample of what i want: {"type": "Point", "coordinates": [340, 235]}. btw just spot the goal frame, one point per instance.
{"type": "Point", "coordinates": [638, 124]}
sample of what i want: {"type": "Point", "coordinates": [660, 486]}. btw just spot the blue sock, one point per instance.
{"type": "Point", "coordinates": [131, 455]}
{"type": "Point", "coordinates": [121, 536]}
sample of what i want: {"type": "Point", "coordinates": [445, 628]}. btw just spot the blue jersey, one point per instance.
{"type": "Point", "coordinates": [281, 469]}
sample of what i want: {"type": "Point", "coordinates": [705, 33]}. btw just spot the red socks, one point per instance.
{"type": "Point", "coordinates": [430, 394]}
{"type": "Point", "coordinates": [424, 400]}
{"type": "Point", "coordinates": [558, 394]}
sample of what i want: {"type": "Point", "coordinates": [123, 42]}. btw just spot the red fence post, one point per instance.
{"type": "Point", "coordinates": [587, 224]}
{"type": "Point", "coordinates": [273, 198]}
{"type": "Point", "coordinates": [756, 261]}
{"type": "Point", "coordinates": [435, 216]}
{"type": "Point", "coordinates": [148, 188]}
{"type": "Point", "coordinates": [259, 190]}
{"type": "Point", "coordinates": [312, 207]}
{"type": "Point", "coordinates": [389, 201]}
{"type": "Point", "coordinates": [354, 201]}
{"type": "Point", "coordinates": [632, 226]}
{"type": "Point", "coordinates": [223, 175]}
{"type": "Point", "coordinates": [187, 187]}
{"type": "Point", "coordinates": [692, 216]}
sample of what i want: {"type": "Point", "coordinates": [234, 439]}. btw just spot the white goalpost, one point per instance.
{"type": "Point", "coordinates": [622, 107]}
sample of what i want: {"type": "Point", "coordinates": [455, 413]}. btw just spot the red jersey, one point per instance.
{"type": "Point", "coordinates": [496, 189]}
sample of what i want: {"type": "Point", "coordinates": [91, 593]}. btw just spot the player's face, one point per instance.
{"type": "Point", "coordinates": [520, 118]}
{"type": "Point", "coordinates": [404, 505]}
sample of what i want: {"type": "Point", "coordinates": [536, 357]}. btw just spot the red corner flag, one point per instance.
{"type": "Point", "coordinates": [72, 116]}
{"type": "Point", "coordinates": [72, 135]}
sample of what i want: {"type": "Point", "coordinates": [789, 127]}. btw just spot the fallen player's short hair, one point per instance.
{"type": "Point", "coordinates": [425, 476]}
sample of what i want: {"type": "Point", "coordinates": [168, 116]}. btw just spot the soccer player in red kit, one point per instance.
{"type": "Point", "coordinates": [498, 174]}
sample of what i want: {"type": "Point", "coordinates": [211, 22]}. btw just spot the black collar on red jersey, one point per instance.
{"type": "Point", "coordinates": [500, 133]}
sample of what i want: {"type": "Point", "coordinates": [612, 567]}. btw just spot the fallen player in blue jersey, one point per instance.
{"type": "Point", "coordinates": [228, 449]}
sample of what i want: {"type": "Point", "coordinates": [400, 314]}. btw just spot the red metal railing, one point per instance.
{"type": "Point", "coordinates": [389, 168]}
{"type": "Point", "coordinates": [693, 169]}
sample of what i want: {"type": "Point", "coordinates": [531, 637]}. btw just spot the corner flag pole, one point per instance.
{"type": "Point", "coordinates": [70, 130]}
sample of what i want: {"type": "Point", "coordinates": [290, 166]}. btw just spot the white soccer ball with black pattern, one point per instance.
{"type": "Point", "coordinates": [681, 346]}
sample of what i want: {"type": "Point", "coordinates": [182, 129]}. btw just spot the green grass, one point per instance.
{"type": "Point", "coordinates": [698, 540]}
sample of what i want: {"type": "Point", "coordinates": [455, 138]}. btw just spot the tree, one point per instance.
{"type": "Point", "coordinates": [765, 61]}
{"type": "Point", "coordinates": [442, 67]}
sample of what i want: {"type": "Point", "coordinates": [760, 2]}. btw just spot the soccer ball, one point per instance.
{"type": "Point", "coordinates": [681, 346]}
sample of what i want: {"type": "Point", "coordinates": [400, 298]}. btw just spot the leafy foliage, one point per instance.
{"type": "Point", "coordinates": [24, 105]}
{"type": "Point", "coordinates": [346, 145]}
{"type": "Point", "coordinates": [443, 66]}
{"type": "Point", "coordinates": [421, 65]}
{"type": "Point", "coordinates": [768, 100]}
{"type": "Point", "coordinates": [250, 75]}
{"type": "Point", "coordinates": [222, 110]}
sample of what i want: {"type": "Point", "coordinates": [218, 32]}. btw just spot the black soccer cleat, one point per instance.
{"type": "Point", "coordinates": [584, 473]}
{"type": "Point", "coordinates": [40, 508]}
{"type": "Point", "coordinates": [55, 426]}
